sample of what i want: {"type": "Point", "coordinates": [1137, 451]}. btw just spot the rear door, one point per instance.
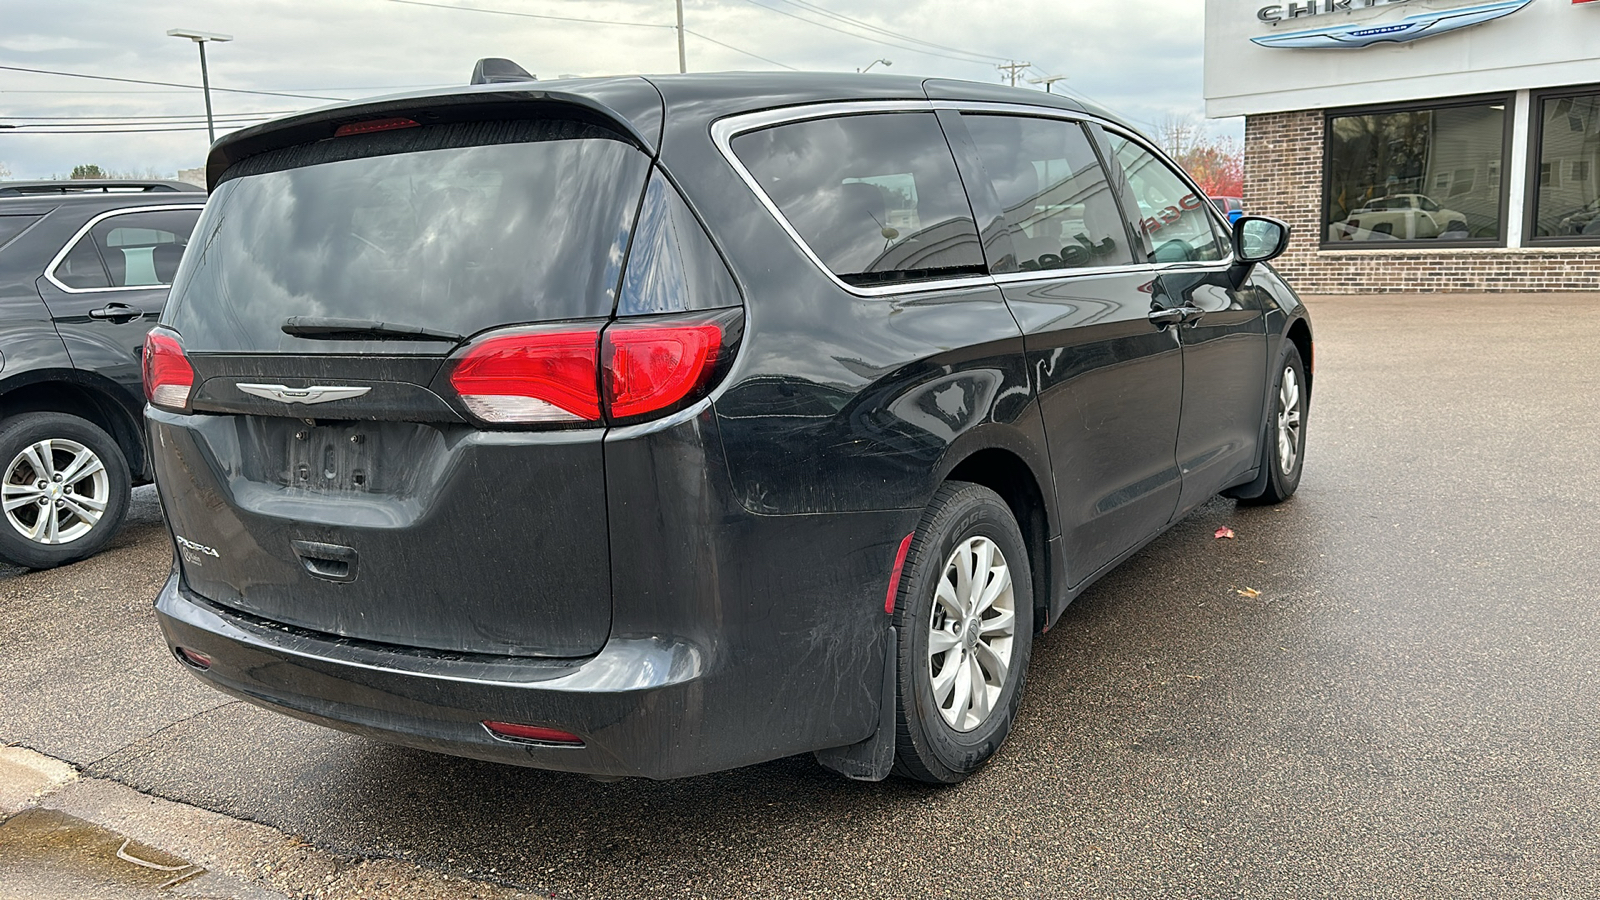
{"type": "Point", "coordinates": [107, 285]}
{"type": "Point", "coordinates": [329, 476]}
{"type": "Point", "coordinates": [1223, 332]}
{"type": "Point", "coordinates": [1109, 379]}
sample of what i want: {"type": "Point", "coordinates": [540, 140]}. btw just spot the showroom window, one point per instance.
{"type": "Point", "coordinates": [1566, 193]}
{"type": "Point", "coordinates": [1419, 175]}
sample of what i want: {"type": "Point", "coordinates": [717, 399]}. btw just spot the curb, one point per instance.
{"type": "Point", "coordinates": [228, 859]}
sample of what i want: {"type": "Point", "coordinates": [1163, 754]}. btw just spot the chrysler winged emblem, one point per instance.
{"type": "Point", "coordinates": [317, 393]}
{"type": "Point", "coordinates": [1410, 28]}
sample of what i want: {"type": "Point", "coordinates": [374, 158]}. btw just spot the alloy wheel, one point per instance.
{"type": "Point", "coordinates": [970, 633]}
{"type": "Point", "coordinates": [55, 491]}
{"type": "Point", "coordinates": [1289, 412]}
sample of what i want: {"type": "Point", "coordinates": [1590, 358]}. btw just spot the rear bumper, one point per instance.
{"type": "Point", "coordinates": [635, 703]}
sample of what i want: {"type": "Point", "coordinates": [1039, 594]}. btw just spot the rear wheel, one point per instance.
{"type": "Point", "coordinates": [964, 618]}
{"type": "Point", "coordinates": [64, 489]}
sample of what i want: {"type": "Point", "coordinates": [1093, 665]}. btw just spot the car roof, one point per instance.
{"type": "Point", "coordinates": [635, 102]}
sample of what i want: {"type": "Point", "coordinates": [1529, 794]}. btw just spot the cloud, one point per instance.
{"type": "Point", "coordinates": [1143, 61]}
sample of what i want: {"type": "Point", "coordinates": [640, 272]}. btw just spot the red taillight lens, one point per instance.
{"type": "Point", "coordinates": [168, 377]}
{"type": "Point", "coordinates": [652, 366]}
{"type": "Point", "coordinates": [533, 377]}
{"type": "Point", "coordinates": [533, 733]}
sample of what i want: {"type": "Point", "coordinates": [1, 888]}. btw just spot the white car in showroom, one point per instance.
{"type": "Point", "coordinates": [1400, 217]}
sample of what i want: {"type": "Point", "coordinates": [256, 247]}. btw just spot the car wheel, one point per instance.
{"type": "Point", "coordinates": [1283, 452]}
{"type": "Point", "coordinates": [65, 489]}
{"type": "Point", "coordinates": [964, 621]}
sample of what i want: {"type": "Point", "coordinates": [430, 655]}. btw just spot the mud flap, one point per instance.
{"type": "Point", "coordinates": [873, 758]}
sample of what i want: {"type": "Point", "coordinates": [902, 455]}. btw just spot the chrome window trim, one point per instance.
{"type": "Point", "coordinates": [723, 131]}
{"type": "Point", "coordinates": [50, 269]}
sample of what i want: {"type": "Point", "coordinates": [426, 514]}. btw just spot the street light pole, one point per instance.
{"type": "Point", "coordinates": [201, 38]}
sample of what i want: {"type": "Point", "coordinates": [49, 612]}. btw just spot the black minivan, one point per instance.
{"type": "Point", "coordinates": [657, 426]}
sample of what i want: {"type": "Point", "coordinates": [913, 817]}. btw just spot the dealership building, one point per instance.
{"type": "Point", "coordinates": [1418, 145]}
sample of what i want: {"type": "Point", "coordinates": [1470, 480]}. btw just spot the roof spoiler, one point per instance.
{"type": "Point", "coordinates": [494, 70]}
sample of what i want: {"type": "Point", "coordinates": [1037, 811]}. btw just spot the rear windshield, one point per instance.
{"type": "Point", "coordinates": [454, 239]}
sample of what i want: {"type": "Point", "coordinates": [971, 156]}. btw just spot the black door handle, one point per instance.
{"type": "Point", "coordinates": [1164, 317]}
{"type": "Point", "coordinates": [116, 312]}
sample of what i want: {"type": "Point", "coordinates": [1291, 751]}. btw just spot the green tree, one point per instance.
{"type": "Point", "coordinates": [88, 171]}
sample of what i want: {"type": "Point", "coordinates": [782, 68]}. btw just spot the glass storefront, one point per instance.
{"type": "Point", "coordinates": [1566, 186]}
{"type": "Point", "coordinates": [1422, 174]}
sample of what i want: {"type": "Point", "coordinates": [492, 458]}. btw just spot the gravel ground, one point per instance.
{"type": "Point", "coordinates": [1404, 709]}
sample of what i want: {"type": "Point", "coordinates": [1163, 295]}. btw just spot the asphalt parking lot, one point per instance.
{"type": "Point", "coordinates": [1385, 688]}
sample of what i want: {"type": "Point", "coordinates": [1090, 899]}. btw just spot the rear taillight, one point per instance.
{"type": "Point", "coordinates": [623, 371]}
{"type": "Point", "coordinates": [651, 366]}
{"type": "Point", "coordinates": [532, 377]}
{"type": "Point", "coordinates": [168, 377]}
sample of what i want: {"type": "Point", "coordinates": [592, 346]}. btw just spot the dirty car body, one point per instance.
{"type": "Point", "coordinates": [371, 536]}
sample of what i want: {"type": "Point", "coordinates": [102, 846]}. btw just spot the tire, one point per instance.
{"type": "Point", "coordinates": [939, 739]}
{"type": "Point", "coordinates": [1285, 432]}
{"type": "Point", "coordinates": [87, 501]}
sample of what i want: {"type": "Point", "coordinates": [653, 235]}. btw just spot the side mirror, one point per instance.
{"type": "Point", "coordinates": [1258, 239]}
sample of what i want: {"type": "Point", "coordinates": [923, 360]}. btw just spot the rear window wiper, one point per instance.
{"type": "Point", "coordinates": [329, 329]}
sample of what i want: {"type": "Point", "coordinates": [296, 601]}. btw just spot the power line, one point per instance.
{"type": "Point", "coordinates": [239, 115]}
{"type": "Point", "coordinates": [523, 15]}
{"type": "Point", "coordinates": [15, 129]}
{"type": "Point", "coordinates": [803, 4]}
{"type": "Point", "coordinates": [862, 37]}
{"type": "Point", "coordinates": [737, 50]}
{"type": "Point", "coordinates": [506, 12]}
{"type": "Point", "coordinates": [166, 83]}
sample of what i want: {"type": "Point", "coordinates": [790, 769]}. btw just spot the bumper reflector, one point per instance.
{"type": "Point", "coordinates": [533, 734]}
{"type": "Point", "coordinates": [894, 576]}
{"type": "Point", "coordinates": [191, 658]}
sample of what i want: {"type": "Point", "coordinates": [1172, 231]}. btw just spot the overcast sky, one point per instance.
{"type": "Point", "coordinates": [1142, 60]}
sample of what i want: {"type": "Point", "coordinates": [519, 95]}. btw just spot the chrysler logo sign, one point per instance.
{"type": "Point", "coordinates": [1364, 34]}
{"type": "Point", "coordinates": [315, 394]}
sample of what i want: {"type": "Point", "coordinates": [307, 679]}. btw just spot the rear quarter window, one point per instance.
{"type": "Point", "coordinates": [875, 197]}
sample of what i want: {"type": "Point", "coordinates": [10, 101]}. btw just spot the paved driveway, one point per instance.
{"type": "Point", "coordinates": [1407, 708]}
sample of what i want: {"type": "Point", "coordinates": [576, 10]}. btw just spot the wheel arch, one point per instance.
{"type": "Point", "coordinates": [81, 394]}
{"type": "Point", "coordinates": [1299, 334]}
{"type": "Point", "coordinates": [1004, 471]}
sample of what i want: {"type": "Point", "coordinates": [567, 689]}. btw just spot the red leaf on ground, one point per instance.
{"type": "Point", "coordinates": [1225, 532]}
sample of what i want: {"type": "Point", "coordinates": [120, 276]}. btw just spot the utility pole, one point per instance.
{"type": "Point", "coordinates": [1012, 69]}
{"type": "Point", "coordinates": [683, 65]}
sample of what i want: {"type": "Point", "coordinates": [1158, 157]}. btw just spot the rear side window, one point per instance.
{"type": "Point", "coordinates": [132, 249]}
{"type": "Point", "coordinates": [672, 266]}
{"type": "Point", "coordinates": [143, 248]}
{"type": "Point", "coordinates": [1172, 215]}
{"type": "Point", "coordinates": [454, 228]}
{"type": "Point", "coordinates": [876, 197]}
{"type": "Point", "coordinates": [1058, 204]}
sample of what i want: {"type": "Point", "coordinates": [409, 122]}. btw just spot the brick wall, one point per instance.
{"type": "Point", "coordinates": [1283, 178]}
